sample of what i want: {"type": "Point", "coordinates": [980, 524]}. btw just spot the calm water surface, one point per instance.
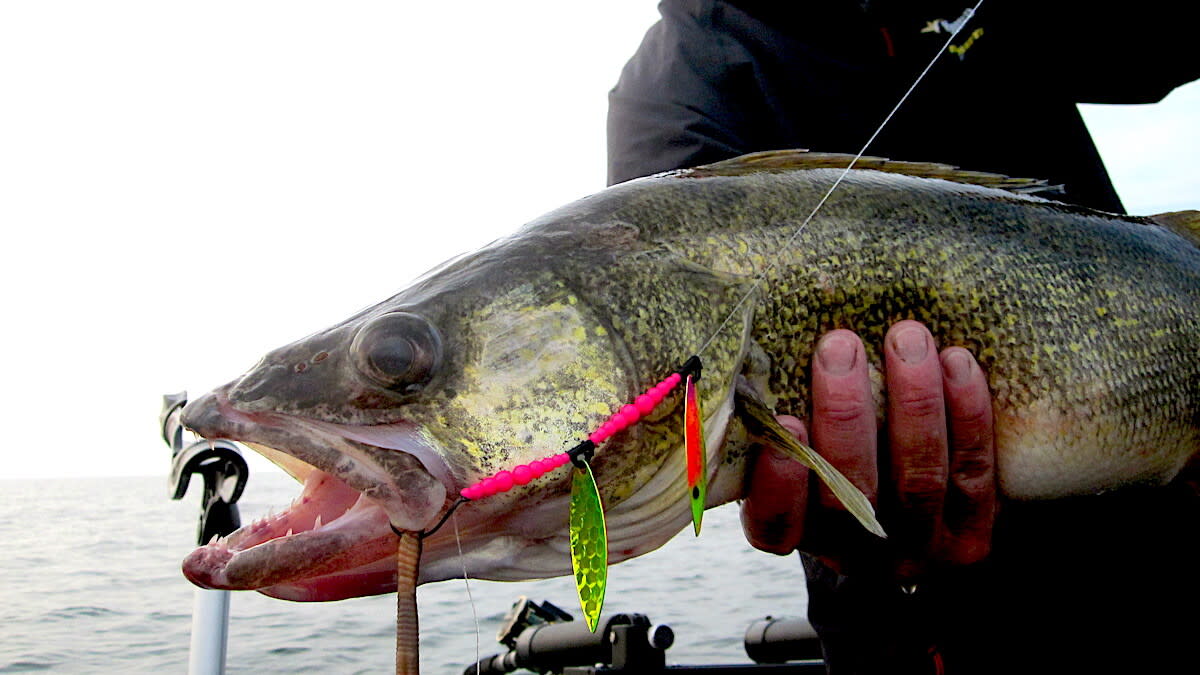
{"type": "Point", "coordinates": [90, 583]}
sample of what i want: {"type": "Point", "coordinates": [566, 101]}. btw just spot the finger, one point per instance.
{"type": "Point", "coordinates": [971, 496]}
{"type": "Point", "coordinates": [843, 417]}
{"type": "Point", "coordinates": [917, 440]}
{"type": "Point", "coordinates": [774, 509]}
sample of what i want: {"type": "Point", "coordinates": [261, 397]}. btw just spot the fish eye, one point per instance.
{"type": "Point", "coordinates": [400, 351]}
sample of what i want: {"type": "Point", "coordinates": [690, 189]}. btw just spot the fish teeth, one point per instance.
{"type": "Point", "coordinates": [289, 532]}
{"type": "Point", "coordinates": [317, 525]}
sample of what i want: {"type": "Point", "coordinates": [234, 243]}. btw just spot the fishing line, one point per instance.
{"type": "Point", "coordinates": [467, 583]}
{"type": "Point", "coordinates": [956, 27]}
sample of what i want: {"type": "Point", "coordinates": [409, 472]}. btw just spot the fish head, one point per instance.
{"type": "Point", "coordinates": [487, 363]}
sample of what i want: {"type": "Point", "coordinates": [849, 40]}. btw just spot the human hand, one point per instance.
{"type": "Point", "coordinates": [933, 482]}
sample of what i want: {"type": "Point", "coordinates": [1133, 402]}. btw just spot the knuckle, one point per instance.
{"type": "Point", "coordinates": [919, 403]}
{"type": "Point", "coordinates": [840, 414]}
{"type": "Point", "coordinates": [972, 466]}
{"type": "Point", "coordinates": [921, 487]}
{"type": "Point", "coordinates": [843, 407]}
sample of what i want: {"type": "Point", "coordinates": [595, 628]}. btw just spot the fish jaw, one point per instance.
{"type": "Point", "coordinates": [328, 532]}
{"type": "Point", "coordinates": [338, 538]}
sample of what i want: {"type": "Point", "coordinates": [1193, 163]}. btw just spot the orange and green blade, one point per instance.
{"type": "Point", "coordinates": [693, 440]}
{"type": "Point", "coordinates": [589, 544]}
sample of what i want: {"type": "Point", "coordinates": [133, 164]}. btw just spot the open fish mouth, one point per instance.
{"type": "Point", "coordinates": [337, 539]}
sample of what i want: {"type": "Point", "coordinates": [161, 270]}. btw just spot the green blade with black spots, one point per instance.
{"type": "Point", "coordinates": [589, 544]}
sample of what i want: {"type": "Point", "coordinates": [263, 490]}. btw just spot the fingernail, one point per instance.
{"type": "Point", "coordinates": [910, 344]}
{"type": "Point", "coordinates": [837, 353]}
{"type": "Point", "coordinates": [956, 363]}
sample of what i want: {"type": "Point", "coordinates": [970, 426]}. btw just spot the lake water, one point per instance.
{"type": "Point", "coordinates": [90, 583]}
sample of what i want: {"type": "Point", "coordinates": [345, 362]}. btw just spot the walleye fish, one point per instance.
{"type": "Point", "coordinates": [1087, 324]}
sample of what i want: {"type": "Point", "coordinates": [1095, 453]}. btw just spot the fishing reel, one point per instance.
{"type": "Point", "coordinates": [545, 639]}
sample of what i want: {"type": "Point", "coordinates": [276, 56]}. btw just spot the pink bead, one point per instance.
{"type": "Point", "coordinates": [469, 492]}
{"type": "Point", "coordinates": [504, 481]}
{"type": "Point", "coordinates": [561, 459]}
{"type": "Point", "coordinates": [488, 487]}
{"type": "Point", "coordinates": [522, 475]}
{"type": "Point", "coordinates": [631, 413]}
{"type": "Point", "coordinates": [645, 404]}
{"type": "Point", "coordinates": [597, 437]}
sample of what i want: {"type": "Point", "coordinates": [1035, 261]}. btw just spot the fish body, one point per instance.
{"type": "Point", "coordinates": [1087, 324]}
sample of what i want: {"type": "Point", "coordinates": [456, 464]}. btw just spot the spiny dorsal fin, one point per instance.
{"type": "Point", "coordinates": [1184, 223]}
{"type": "Point", "coordinates": [778, 161]}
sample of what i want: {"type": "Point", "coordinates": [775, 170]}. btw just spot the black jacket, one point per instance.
{"type": "Point", "coordinates": [717, 79]}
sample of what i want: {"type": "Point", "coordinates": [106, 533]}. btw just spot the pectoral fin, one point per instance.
{"type": "Point", "coordinates": [760, 422]}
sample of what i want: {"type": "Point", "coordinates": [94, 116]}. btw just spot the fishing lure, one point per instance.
{"type": "Point", "coordinates": [589, 543]}
{"type": "Point", "coordinates": [693, 443]}
{"type": "Point", "coordinates": [588, 532]}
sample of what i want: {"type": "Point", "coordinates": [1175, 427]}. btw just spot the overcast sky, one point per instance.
{"type": "Point", "coordinates": [184, 186]}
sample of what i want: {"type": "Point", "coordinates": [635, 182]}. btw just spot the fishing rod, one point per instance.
{"type": "Point", "coordinates": [225, 473]}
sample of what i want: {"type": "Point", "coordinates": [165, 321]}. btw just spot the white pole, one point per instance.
{"type": "Point", "coordinates": [210, 632]}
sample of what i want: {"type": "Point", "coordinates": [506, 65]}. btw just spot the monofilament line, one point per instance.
{"type": "Point", "coordinates": [956, 28]}
{"type": "Point", "coordinates": [467, 584]}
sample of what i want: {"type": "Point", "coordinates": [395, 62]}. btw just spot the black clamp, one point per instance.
{"type": "Point", "coordinates": [692, 367]}
{"type": "Point", "coordinates": [219, 461]}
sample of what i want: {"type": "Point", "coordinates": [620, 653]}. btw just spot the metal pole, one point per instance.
{"type": "Point", "coordinates": [210, 632]}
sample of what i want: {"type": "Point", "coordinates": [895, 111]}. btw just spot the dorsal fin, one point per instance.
{"type": "Point", "coordinates": [1184, 223]}
{"type": "Point", "coordinates": [778, 161]}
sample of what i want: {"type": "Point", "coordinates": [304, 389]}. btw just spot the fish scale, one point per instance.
{"type": "Point", "coordinates": [1057, 302]}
